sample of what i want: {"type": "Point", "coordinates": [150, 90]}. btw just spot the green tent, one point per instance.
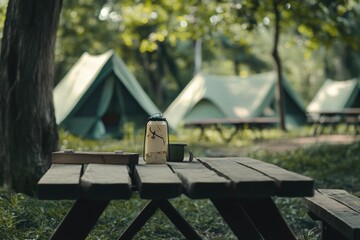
{"type": "Point", "coordinates": [98, 96]}
{"type": "Point", "coordinates": [335, 96]}
{"type": "Point", "coordinates": [219, 97]}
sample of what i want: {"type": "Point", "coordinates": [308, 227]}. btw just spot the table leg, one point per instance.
{"type": "Point", "coordinates": [329, 233]}
{"type": "Point", "coordinates": [202, 132]}
{"type": "Point", "coordinates": [80, 219]}
{"type": "Point", "coordinates": [219, 129]}
{"type": "Point", "coordinates": [317, 126]}
{"type": "Point", "coordinates": [357, 125]}
{"type": "Point", "coordinates": [169, 211]}
{"type": "Point", "coordinates": [236, 130]}
{"type": "Point", "coordinates": [267, 218]}
{"type": "Point", "coordinates": [236, 218]}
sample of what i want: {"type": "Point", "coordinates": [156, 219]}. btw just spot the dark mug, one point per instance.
{"type": "Point", "coordinates": [176, 152]}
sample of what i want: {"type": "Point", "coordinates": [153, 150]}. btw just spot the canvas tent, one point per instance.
{"type": "Point", "coordinates": [98, 95]}
{"type": "Point", "coordinates": [219, 97]}
{"type": "Point", "coordinates": [336, 96]}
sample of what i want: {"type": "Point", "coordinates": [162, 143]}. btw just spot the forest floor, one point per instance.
{"type": "Point", "coordinates": [283, 145]}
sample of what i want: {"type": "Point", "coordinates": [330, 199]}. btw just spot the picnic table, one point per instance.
{"type": "Point", "coordinates": [239, 123]}
{"type": "Point", "coordinates": [349, 116]}
{"type": "Point", "coordinates": [240, 188]}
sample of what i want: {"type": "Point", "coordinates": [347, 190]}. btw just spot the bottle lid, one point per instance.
{"type": "Point", "coordinates": [157, 117]}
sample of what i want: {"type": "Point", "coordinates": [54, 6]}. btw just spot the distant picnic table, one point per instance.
{"type": "Point", "coordinates": [239, 123]}
{"type": "Point", "coordinates": [322, 119]}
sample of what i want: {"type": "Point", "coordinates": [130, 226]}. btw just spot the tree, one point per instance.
{"type": "Point", "coordinates": [253, 14]}
{"type": "Point", "coordinates": [321, 23]}
{"type": "Point", "coordinates": [155, 38]}
{"type": "Point", "coordinates": [135, 31]}
{"type": "Point", "coordinates": [80, 30]}
{"type": "Point", "coordinates": [27, 121]}
{"type": "Point", "coordinates": [278, 63]}
{"type": "Point", "coordinates": [334, 25]}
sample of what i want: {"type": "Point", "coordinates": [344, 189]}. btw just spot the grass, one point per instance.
{"type": "Point", "coordinates": [332, 166]}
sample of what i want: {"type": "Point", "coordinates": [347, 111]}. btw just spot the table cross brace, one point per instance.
{"type": "Point", "coordinates": [173, 215]}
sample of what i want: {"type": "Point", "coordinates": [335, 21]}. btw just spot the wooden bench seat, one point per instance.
{"type": "Point", "coordinates": [339, 212]}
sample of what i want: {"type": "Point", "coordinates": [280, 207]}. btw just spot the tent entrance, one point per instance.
{"type": "Point", "coordinates": [112, 116]}
{"type": "Point", "coordinates": [356, 103]}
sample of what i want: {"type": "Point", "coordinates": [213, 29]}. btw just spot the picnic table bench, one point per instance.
{"type": "Point", "coordinates": [240, 188]}
{"type": "Point", "coordinates": [349, 116]}
{"type": "Point", "coordinates": [339, 212]}
{"type": "Point", "coordinates": [239, 123]}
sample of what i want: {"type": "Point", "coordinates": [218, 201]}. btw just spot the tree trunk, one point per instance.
{"type": "Point", "coordinates": [198, 56]}
{"type": "Point", "coordinates": [27, 121]}
{"type": "Point", "coordinates": [150, 67]}
{"type": "Point", "coordinates": [275, 54]}
{"type": "Point", "coordinates": [236, 64]}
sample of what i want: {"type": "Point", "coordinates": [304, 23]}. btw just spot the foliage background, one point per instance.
{"type": "Point", "coordinates": [157, 40]}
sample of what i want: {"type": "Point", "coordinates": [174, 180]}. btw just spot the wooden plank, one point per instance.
{"type": "Point", "coordinates": [72, 157]}
{"type": "Point", "coordinates": [339, 216]}
{"type": "Point", "coordinates": [245, 181]}
{"type": "Point", "coordinates": [344, 197]}
{"type": "Point", "coordinates": [201, 182]}
{"type": "Point", "coordinates": [106, 182]}
{"type": "Point", "coordinates": [157, 181]}
{"type": "Point", "coordinates": [289, 184]}
{"type": "Point", "coordinates": [61, 181]}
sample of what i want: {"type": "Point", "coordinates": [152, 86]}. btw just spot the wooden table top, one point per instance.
{"type": "Point", "coordinates": [237, 177]}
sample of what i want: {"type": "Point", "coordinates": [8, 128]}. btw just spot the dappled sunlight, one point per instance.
{"type": "Point", "coordinates": [334, 91]}
{"type": "Point", "coordinates": [333, 96]}
{"type": "Point", "coordinates": [241, 112]}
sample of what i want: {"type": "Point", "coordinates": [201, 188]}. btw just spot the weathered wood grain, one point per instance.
{"type": "Point", "coordinates": [106, 182]}
{"type": "Point", "coordinates": [61, 181]}
{"type": "Point", "coordinates": [344, 197]}
{"type": "Point", "coordinates": [201, 182]}
{"type": "Point", "coordinates": [289, 184]}
{"type": "Point", "coordinates": [95, 157]}
{"type": "Point", "coordinates": [335, 213]}
{"type": "Point", "coordinates": [245, 182]}
{"type": "Point", "coordinates": [157, 181]}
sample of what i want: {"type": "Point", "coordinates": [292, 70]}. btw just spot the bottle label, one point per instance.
{"type": "Point", "coordinates": [156, 142]}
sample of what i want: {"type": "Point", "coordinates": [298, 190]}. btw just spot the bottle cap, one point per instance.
{"type": "Point", "coordinates": [156, 117]}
